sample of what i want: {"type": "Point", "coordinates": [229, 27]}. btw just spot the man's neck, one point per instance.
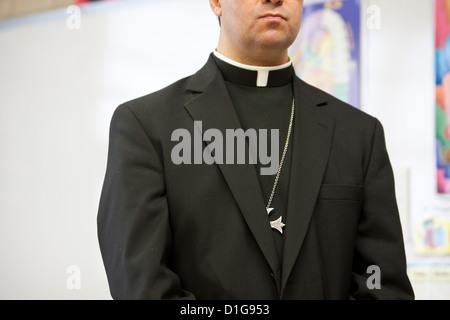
{"type": "Point", "coordinates": [263, 59]}
{"type": "Point", "coordinates": [259, 75]}
{"type": "Point", "coordinates": [253, 67]}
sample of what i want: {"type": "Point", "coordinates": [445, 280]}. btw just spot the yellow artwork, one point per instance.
{"type": "Point", "coordinates": [433, 236]}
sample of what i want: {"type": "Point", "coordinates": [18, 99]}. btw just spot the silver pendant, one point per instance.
{"type": "Point", "coordinates": [277, 224]}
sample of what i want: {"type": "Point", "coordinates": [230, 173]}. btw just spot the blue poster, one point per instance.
{"type": "Point", "coordinates": [326, 53]}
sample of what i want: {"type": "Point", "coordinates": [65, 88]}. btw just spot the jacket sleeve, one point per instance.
{"type": "Point", "coordinates": [379, 240]}
{"type": "Point", "coordinates": [133, 219]}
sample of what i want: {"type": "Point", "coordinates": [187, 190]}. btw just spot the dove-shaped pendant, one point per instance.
{"type": "Point", "coordinates": [276, 224]}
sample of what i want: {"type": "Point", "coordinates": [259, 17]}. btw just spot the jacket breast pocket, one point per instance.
{"type": "Point", "coordinates": [341, 192]}
{"type": "Point", "coordinates": [337, 213]}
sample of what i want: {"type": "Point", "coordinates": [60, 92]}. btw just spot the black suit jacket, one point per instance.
{"type": "Point", "coordinates": [201, 231]}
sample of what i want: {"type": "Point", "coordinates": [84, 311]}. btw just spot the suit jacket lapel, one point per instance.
{"type": "Point", "coordinates": [213, 106]}
{"type": "Point", "coordinates": [313, 132]}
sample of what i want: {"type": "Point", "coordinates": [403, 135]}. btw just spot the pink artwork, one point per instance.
{"type": "Point", "coordinates": [443, 95]}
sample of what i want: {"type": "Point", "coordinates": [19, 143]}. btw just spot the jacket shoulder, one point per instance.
{"type": "Point", "coordinates": [161, 98]}
{"type": "Point", "coordinates": [156, 112]}
{"type": "Point", "coordinates": [339, 109]}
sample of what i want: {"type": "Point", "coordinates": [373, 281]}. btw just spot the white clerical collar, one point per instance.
{"type": "Point", "coordinates": [263, 72]}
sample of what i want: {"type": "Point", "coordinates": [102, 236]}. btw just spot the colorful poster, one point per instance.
{"type": "Point", "coordinates": [443, 95]}
{"type": "Point", "coordinates": [433, 236]}
{"type": "Point", "coordinates": [326, 53]}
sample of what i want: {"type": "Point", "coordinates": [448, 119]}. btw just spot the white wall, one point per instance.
{"type": "Point", "coordinates": [398, 88]}
{"type": "Point", "coordinates": [59, 87]}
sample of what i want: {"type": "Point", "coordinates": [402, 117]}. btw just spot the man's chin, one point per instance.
{"type": "Point", "coordinates": [274, 40]}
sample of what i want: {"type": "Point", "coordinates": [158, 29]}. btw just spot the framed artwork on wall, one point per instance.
{"type": "Point", "coordinates": [326, 53]}
{"type": "Point", "coordinates": [442, 49]}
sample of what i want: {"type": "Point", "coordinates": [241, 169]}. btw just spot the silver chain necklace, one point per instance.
{"type": "Point", "coordinates": [278, 224]}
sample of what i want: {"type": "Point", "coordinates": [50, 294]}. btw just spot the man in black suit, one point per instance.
{"type": "Point", "coordinates": [177, 222]}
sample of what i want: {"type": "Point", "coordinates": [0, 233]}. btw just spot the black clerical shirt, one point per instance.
{"type": "Point", "coordinates": [265, 106]}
